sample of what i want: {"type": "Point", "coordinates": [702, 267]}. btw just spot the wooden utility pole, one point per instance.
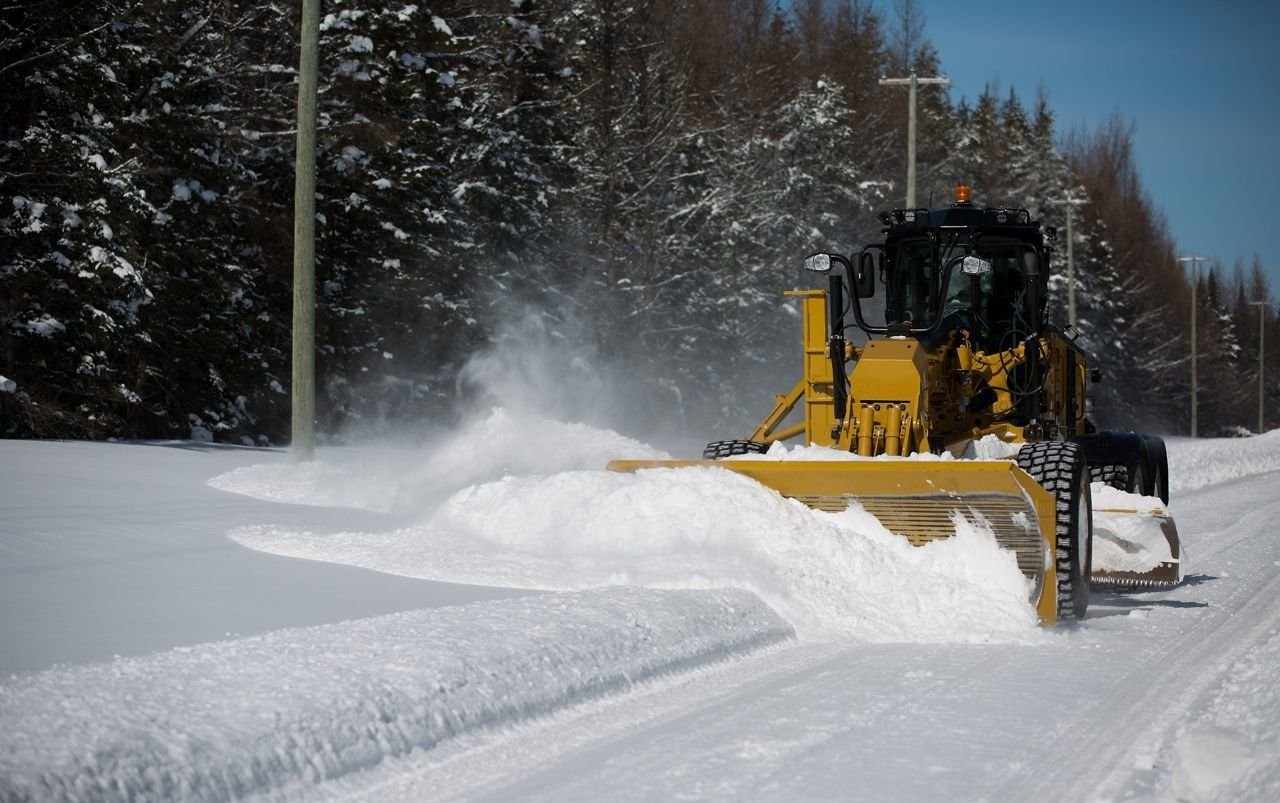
{"type": "Point", "coordinates": [1262, 333]}
{"type": "Point", "coordinates": [304, 240]}
{"type": "Point", "coordinates": [912, 82]}
{"type": "Point", "coordinates": [1195, 279]}
{"type": "Point", "coordinates": [1071, 261]}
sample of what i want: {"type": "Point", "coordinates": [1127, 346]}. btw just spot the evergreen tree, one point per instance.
{"type": "Point", "coordinates": [73, 286]}
{"type": "Point", "coordinates": [646, 175]}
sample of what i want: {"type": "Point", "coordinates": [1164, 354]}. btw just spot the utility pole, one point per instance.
{"type": "Point", "coordinates": [1195, 279]}
{"type": "Point", "coordinates": [304, 240]}
{"type": "Point", "coordinates": [1071, 262]}
{"type": "Point", "coordinates": [1262, 325]}
{"type": "Point", "coordinates": [912, 82]}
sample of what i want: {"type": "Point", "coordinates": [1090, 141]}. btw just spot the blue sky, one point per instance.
{"type": "Point", "coordinates": [1199, 81]}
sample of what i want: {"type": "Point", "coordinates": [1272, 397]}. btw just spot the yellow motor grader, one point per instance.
{"type": "Point", "coordinates": [950, 345]}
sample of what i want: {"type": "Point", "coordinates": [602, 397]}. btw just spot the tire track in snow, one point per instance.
{"type": "Point", "coordinates": [1108, 743]}
{"type": "Point", "coordinates": [465, 768]}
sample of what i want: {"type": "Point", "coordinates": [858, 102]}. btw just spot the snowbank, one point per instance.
{"type": "Point", "coordinates": [694, 528]}
{"type": "Point", "coordinates": [501, 444]}
{"type": "Point", "coordinates": [828, 574]}
{"type": "Point", "coordinates": [342, 479]}
{"type": "Point", "coordinates": [228, 719]}
{"type": "Point", "coordinates": [1199, 463]}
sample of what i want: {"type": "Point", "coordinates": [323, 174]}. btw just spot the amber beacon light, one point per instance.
{"type": "Point", "coordinates": [964, 193]}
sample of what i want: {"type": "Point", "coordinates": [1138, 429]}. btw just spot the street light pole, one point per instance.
{"type": "Point", "coordinates": [912, 82]}
{"type": "Point", "coordinates": [1262, 324]}
{"type": "Point", "coordinates": [1071, 262]}
{"type": "Point", "coordinates": [1195, 278]}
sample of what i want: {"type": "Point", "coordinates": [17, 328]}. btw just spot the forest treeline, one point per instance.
{"type": "Point", "coordinates": [630, 183]}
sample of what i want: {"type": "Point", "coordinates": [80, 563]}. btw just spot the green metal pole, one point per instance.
{"type": "Point", "coordinates": [304, 240]}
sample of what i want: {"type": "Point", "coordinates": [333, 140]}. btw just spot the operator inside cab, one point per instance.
{"type": "Point", "coordinates": [988, 305]}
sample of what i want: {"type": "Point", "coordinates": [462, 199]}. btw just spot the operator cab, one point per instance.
{"type": "Point", "coordinates": [956, 268]}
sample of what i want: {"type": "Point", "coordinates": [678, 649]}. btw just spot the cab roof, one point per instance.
{"type": "Point", "coordinates": [1012, 222]}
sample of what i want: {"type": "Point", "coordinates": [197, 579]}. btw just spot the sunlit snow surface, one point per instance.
{"type": "Point", "coordinates": [220, 720]}
{"type": "Point", "coordinates": [729, 568]}
{"type": "Point", "coordinates": [1197, 464]}
{"type": "Point", "coordinates": [538, 524]}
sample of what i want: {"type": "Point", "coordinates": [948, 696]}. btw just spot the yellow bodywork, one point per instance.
{"type": "Point", "coordinates": [903, 397]}
{"type": "Point", "coordinates": [900, 397]}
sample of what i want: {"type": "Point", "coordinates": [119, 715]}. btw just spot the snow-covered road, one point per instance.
{"type": "Point", "coordinates": [1158, 696]}
{"type": "Point", "coordinates": [735, 647]}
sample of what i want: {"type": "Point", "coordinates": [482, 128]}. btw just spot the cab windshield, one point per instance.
{"type": "Point", "coordinates": [925, 287]}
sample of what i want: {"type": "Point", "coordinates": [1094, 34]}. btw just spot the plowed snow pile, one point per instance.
{"type": "Point", "coordinates": [223, 720]}
{"type": "Point", "coordinates": [538, 524]}
{"type": "Point", "coordinates": [1129, 541]}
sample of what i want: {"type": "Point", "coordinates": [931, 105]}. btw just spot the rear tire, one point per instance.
{"type": "Point", "coordinates": [718, 449]}
{"type": "Point", "coordinates": [1141, 480]}
{"type": "Point", "coordinates": [1113, 474]}
{"type": "Point", "coordinates": [1158, 461]}
{"type": "Point", "coordinates": [1060, 469]}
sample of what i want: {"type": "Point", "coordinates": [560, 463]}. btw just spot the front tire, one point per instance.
{"type": "Point", "coordinates": [1060, 469]}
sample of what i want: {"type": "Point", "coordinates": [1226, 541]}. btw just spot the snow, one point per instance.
{"type": "Point", "coordinates": [780, 452]}
{"type": "Point", "coordinates": [1234, 752]}
{"type": "Point", "coordinates": [695, 528]}
{"type": "Point", "coordinates": [1200, 463]}
{"type": "Point", "coordinates": [502, 505]}
{"type": "Point", "coordinates": [1127, 534]}
{"type": "Point", "coordinates": [215, 721]}
{"type": "Point", "coordinates": [989, 447]}
{"type": "Point", "coordinates": [1206, 759]}
{"type": "Point", "coordinates": [45, 326]}
{"type": "Point", "coordinates": [1104, 497]}
{"type": "Point", "coordinates": [671, 633]}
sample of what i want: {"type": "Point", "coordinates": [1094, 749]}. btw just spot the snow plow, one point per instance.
{"type": "Point", "coordinates": [950, 356]}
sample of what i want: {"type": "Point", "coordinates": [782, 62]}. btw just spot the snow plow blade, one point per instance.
{"type": "Point", "coordinates": [918, 500]}
{"type": "Point", "coordinates": [1136, 549]}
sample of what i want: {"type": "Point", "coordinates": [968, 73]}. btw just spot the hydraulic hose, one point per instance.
{"type": "Point", "coordinates": [836, 345]}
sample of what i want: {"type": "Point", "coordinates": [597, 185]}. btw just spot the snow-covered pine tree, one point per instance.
{"type": "Point", "coordinates": [210, 127]}
{"type": "Point", "coordinates": [72, 285]}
